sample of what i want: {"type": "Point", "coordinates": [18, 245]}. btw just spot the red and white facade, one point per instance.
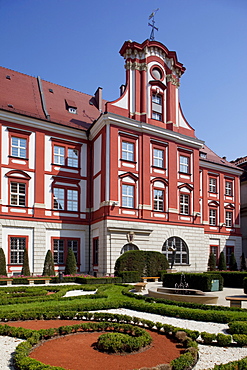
{"type": "Point", "coordinates": [105, 177]}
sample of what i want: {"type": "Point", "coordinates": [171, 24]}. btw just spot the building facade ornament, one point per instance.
{"type": "Point", "coordinates": [173, 80]}
{"type": "Point", "coordinates": [136, 66]}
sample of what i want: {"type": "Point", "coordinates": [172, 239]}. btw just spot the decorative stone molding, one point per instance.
{"type": "Point", "coordinates": [137, 66]}
{"type": "Point", "coordinates": [173, 80]}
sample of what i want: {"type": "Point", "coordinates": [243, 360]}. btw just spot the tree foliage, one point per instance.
{"type": "Point", "coordinates": [25, 266]}
{"type": "Point", "coordinates": [48, 269]}
{"type": "Point", "coordinates": [148, 263]}
{"type": "Point", "coordinates": [212, 262]}
{"type": "Point", "coordinates": [3, 270]}
{"type": "Point", "coordinates": [233, 264]}
{"type": "Point", "coordinates": [70, 266]}
{"type": "Point", "coordinates": [243, 263]}
{"type": "Point", "coordinates": [222, 262]}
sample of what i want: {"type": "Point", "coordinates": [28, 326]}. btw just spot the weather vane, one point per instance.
{"type": "Point", "coordinates": [151, 38]}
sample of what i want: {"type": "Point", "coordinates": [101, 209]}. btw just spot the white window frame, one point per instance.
{"type": "Point", "coordinates": [18, 149]}
{"type": "Point", "coordinates": [228, 188]}
{"type": "Point", "coordinates": [159, 200]}
{"type": "Point", "coordinates": [58, 251]}
{"type": "Point", "coordinates": [184, 204]}
{"type": "Point", "coordinates": [73, 157]}
{"type": "Point", "coordinates": [18, 251]}
{"type": "Point", "coordinates": [212, 217]}
{"type": "Point", "coordinates": [58, 198]}
{"type": "Point", "coordinates": [59, 155]}
{"type": "Point", "coordinates": [158, 158]}
{"type": "Point", "coordinates": [128, 151]}
{"type": "Point", "coordinates": [17, 193]}
{"type": "Point", "coordinates": [128, 196]}
{"type": "Point", "coordinates": [72, 200]}
{"type": "Point", "coordinates": [229, 218]}
{"type": "Point", "coordinates": [212, 185]}
{"type": "Point", "coordinates": [184, 163]}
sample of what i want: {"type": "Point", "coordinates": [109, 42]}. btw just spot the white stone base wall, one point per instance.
{"type": "Point", "coordinates": [39, 240]}
{"type": "Point", "coordinates": [149, 236]}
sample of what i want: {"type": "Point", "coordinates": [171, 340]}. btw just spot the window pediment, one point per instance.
{"type": "Point", "coordinates": [19, 174]}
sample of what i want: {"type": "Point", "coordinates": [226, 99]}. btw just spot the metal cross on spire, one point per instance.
{"type": "Point", "coordinates": [151, 38]}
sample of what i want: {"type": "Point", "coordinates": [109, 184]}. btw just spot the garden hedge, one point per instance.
{"type": "Point", "coordinates": [232, 279]}
{"type": "Point", "coordinates": [147, 263]}
{"type": "Point", "coordinates": [195, 281]}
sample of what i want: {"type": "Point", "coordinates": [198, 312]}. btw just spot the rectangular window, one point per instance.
{"type": "Point", "coordinates": [18, 147]}
{"type": "Point", "coordinates": [127, 151]}
{"type": "Point", "coordinates": [158, 158]}
{"type": "Point", "coordinates": [228, 188]}
{"type": "Point", "coordinates": [158, 200]}
{"type": "Point", "coordinates": [17, 247]}
{"type": "Point", "coordinates": [157, 107]}
{"type": "Point", "coordinates": [58, 251]}
{"type": "Point", "coordinates": [128, 196]}
{"type": "Point", "coordinates": [95, 251]}
{"type": "Point", "coordinates": [59, 155]}
{"type": "Point", "coordinates": [212, 217]}
{"type": "Point", "coordinates": [58, 198]}
{"type": "Point", "coordinates": [214, 249]}
{"type": "Point", "coordinates": [72, 157]}
{"type": "Point", "coordinates": [184, 204]}
{"type": "Point", "coordinates": [184, 164]}
{"type": "Point", "coordinates": [73, 244]}
{"type": "Point", "coordinates": [72, 200]}
{"type": "Point", "coordinates": [229, 251]}
{"type": "Point", "coordinates": [212, 185]}
{"type": "Point", "coordinates": [18, 194]}
{"type": "Point", "coordinates": [229, 218]}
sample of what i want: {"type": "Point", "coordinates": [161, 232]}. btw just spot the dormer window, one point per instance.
{"type": "Point", "coordinates": [157, 107]}
{"type": "Point", "coordinates": [72, 110]}
{"type": "Point", "coordinates": [203, 155]}
{"type": "Point", "coordinates": [71, 106]}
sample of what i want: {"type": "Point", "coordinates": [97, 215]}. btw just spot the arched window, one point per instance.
{"type": "Point", "coordinates": [182, 251]}
{"type": "Point", "coordinates": [129, 247]}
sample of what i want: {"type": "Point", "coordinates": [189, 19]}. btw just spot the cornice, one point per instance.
{"type": "Point", "coordinates": [203, 163]}
{"type": "Point", "coordinates": [41, 124]}
{"type": "Point", "coordinates": [124, 122]}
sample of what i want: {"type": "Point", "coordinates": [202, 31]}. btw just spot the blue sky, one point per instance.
{"type": "Point", "coordinates": [76, 43]}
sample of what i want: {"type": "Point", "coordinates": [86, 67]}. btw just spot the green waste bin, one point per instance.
{"type": "Point", "coordinates": [215, 285]}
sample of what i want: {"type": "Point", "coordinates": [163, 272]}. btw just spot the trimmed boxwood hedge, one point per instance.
{"type": "Point", "coordinates": [147, 263]}
{"type": "Point", "coordinates": [232, 279]}
{"type": "Point", "coordinates": [129, 276]}
{"type": "Point", "coordinates": [195, 281]}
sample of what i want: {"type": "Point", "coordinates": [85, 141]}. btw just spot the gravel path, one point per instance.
{"type": "Point", "coordinates": [208, 355]}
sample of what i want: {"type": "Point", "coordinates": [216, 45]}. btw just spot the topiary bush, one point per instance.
{"type": "Point", "coordinates": [70, 266]}
{"type": "Point", "coordinates": [147, 263]}
{"type": "Point", "coordinates": [243, 263]}
{"type": "Point", "coordinates": [3, 270]}
{"type": "Point", "coordinates": [233, 264]}
{"type": "Point", "coordinates": [48, 269]}
{"type": "Point", "coordinates": [25, 266]}
{"type": "Point", "coordinates": [129, 276]}
{"type": "Point", "coordinates": [212, 262]}
{"type": "Point", "coordinates": [208, 337]}
{"type": "Point", "coordinates": [222, 262]}
{"type": "Point", "coordinates": [223, 340]}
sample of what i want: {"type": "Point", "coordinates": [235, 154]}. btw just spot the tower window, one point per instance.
{"type": "Point", "coordinates": [157, 107]}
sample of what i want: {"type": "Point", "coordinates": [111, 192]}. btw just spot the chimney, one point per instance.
{"type": "Point", "coordinates": [98, 98]}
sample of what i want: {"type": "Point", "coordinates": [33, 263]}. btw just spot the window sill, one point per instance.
{"type": "Point", "coordinates": [127, 160]}
{"type": "Point", "coordinates": [20, 158]}
{"type": "Point", "coordinates": [184, 173]}
{"type": "Point", "coordinates": [159, 168]}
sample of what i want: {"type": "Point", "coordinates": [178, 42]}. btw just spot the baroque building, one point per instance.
{"type": "Point", "coordinates": [106, 177]}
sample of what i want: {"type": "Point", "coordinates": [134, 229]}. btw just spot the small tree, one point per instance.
{"type": "Point", "coordinates": [3, 270]}
{"type": "Point", "coordinates": [25, 266]}
{"type": "Point", "coordinates": [222, 262]}
{"type": "Point", "coordinates": [212, 262]}
{"type": "Point", "coordinates": [48, 269]}
{"type": "Point", "coordinates": [233, 264]}
{"type": "Point", "coordinates": [70, 266]}
{"type": "Point", "coordinates": [243, 263]}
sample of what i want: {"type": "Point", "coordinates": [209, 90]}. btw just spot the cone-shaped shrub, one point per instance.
{"type": "Point", "coordinates": [222, 262]}
{"type": "Point", "coordinates": [3, 270]}
{"type": "Point", "coordinates": [243, 263]}
{"type": "Point", "coordinates": [70, 267]}
{"type": "Point", "coordinates": [25, 266]}
{"type": "Point", "coordinates": [212, 262]}
{"type": "Point", "coordinates": [48, 269]}
{"type": "Point", "coordinates": [233, 264]}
